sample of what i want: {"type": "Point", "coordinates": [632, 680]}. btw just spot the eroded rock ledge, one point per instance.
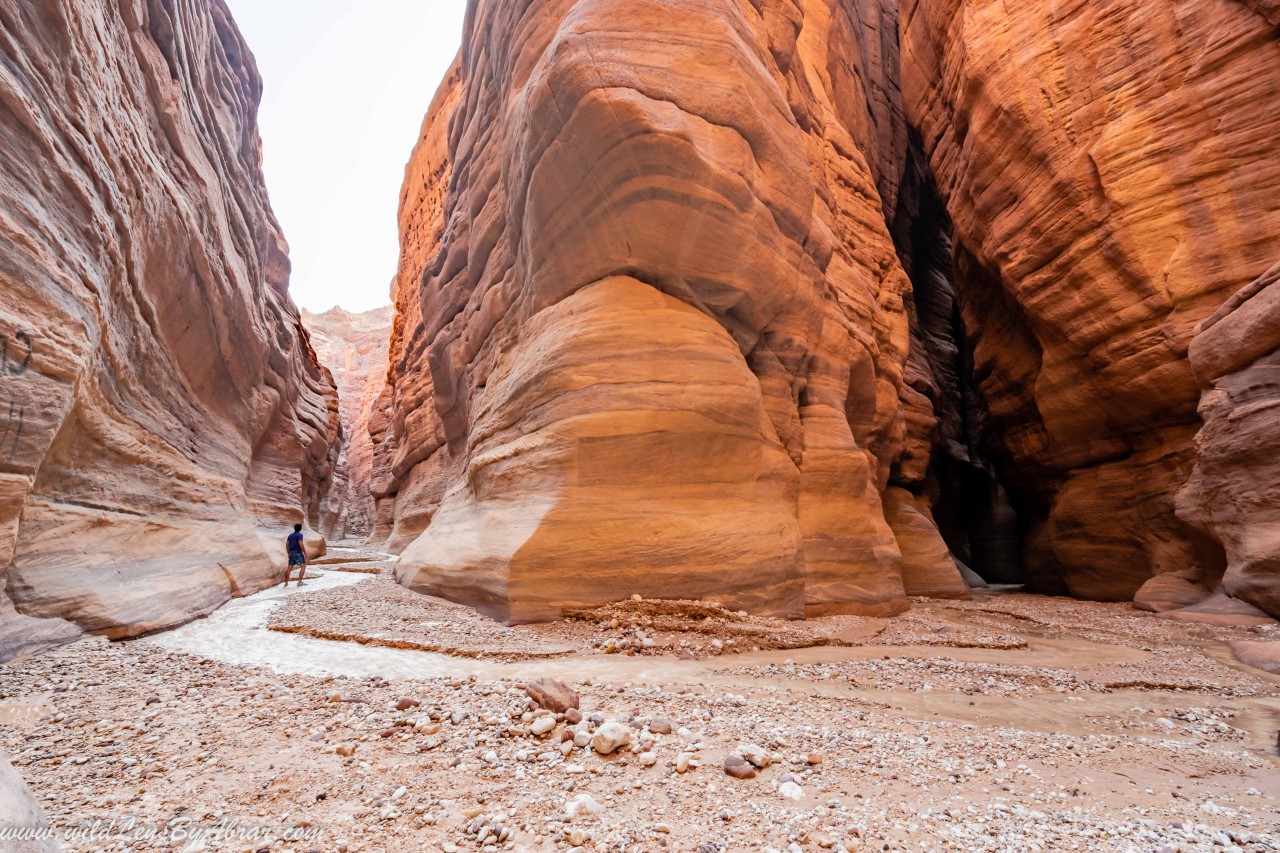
{"type": "Point", "coordinates": [160, 401]}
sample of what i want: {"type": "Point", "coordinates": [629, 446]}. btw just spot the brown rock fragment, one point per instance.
{"type": "Point", "coordinates": [555, 696]}
{"type": "Point", "coordinates": [660, 726]}
{"type": "Point", "coordinates": [1169, 592]}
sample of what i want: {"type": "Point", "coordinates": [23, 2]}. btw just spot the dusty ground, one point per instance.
{"type": "Point", "coordinates": [1008, 723]}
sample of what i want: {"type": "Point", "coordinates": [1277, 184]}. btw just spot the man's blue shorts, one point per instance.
{"type": "Point", "coordinates": [297, 559]}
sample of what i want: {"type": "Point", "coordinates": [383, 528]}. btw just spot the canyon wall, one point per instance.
{"type": "Point", "coordinates": [1111, 174]}
{"type": "Point", "coordinates": [165, 420]}
{"type": "Point", "coordinates": [354, 349]}
{"type": "Point", "coordinates": [801, 304]}
{"type": "Point", "coordinates": [650, 331]}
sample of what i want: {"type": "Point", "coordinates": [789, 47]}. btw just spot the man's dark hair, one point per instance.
{"type": "Point", "coordinates": [297, 528]}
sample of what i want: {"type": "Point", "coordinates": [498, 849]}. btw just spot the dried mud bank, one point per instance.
{"type": "Point", "coordinates": [1097, 728]}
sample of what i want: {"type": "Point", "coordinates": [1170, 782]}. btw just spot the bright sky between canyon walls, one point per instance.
{"type": "Point", "coordinates": [346, 85]}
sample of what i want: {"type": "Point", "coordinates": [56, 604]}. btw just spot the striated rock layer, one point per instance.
{"type": "Point", "coordinates": [164, 417]}
{"type": "Point", "coordinates": [1111, 175]}
{"type": "Point", "coordinates": [354, 349]}
{"type": "Point", "coordinates": [650, 327]}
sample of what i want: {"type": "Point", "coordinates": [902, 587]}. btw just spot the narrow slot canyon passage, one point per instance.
{"type": "Point", "coordinates": [791, 425]}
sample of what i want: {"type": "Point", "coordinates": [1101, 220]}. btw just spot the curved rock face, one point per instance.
{"type": "Point", "coordinates": [1111, 174]}
{"type": "Point", "coordinates": [650, 332]}
{"type": "Point", "coordinates": [354, 349]}
{"type": "Point", "coordinates": [161, 405]}
{"type": "Point", "coordinates": [1234, 491]}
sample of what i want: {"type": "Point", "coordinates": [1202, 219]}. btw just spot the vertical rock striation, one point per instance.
{"type": "Point", "coordinates": [161, 405]}
{"type": "Point", "coordinates": [650, 327]}
{"type": "Point", "coordinates": [354, 349]}
{"type": "Point", "coordinates": [1110, 171]}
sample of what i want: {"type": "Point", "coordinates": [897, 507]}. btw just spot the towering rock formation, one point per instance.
{"type": "Point", "coordinates": [650, 332]}
{"type": "Point", "coordinates": [161, 405]}
{"type": "Point", "coordinates": [653, 334]}
{"type": "Point", "coordinates": [1110, 171]}
{"type": "Point", "coordinates": [354, 349]}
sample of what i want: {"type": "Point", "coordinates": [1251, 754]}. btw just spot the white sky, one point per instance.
{"type": "Point", "coordinates": [347, 83]}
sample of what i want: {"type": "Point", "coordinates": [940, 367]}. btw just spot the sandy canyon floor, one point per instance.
{"type": "Point", "coordinates": [352, 715]}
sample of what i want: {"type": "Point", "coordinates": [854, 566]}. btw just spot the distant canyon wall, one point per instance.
{"type": "Point", "coordinates": [791, 303]}
{"type": "Point", "coordinates": [164, 418]}
{"type": "Point", "coordinates": [354, 349]}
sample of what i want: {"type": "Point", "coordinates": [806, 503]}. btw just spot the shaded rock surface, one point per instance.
{"type": "Point", "coordinates": [650, 332]}
{"type": "Point", "coordinates": [164, 417]}
{"type": "Point", "coordinates": [1233, 494]}
{"type": "Point", "coordinates": [354, 349]}
{"type": "Point", "coordinates": [1220, 609]}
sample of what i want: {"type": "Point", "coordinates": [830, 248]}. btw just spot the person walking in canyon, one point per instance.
{"type": "Point", "coordinates": [297, 555]}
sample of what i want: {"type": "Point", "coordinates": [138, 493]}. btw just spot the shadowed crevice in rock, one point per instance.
{"type": "Point", "coordinates": [353, 347]}
{"type": "Point", "coordinates": [947, 462]}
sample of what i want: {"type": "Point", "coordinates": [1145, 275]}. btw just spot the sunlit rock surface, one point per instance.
{"type": "Point", "coordinates": [1112, 174]}
{"type": "Point", "coordinates": [650, 333]}
{"type": "Point", "coordinates": [164, 418]}
{"type": "Point", "coordinates": [354, 349]}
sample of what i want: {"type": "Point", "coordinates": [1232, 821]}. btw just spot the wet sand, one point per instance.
{"type": "Point", "coordinates": [1007, 723]}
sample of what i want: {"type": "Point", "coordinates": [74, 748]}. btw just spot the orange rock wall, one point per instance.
{"type": "Point", "coordinates": [164, 418]}
{"type": "Point", "coordinates": [1111, 174]}
{"type": "Point", "coordinates": [650, 332]}
{"type": "Point", "coordinates": [742, 300]}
